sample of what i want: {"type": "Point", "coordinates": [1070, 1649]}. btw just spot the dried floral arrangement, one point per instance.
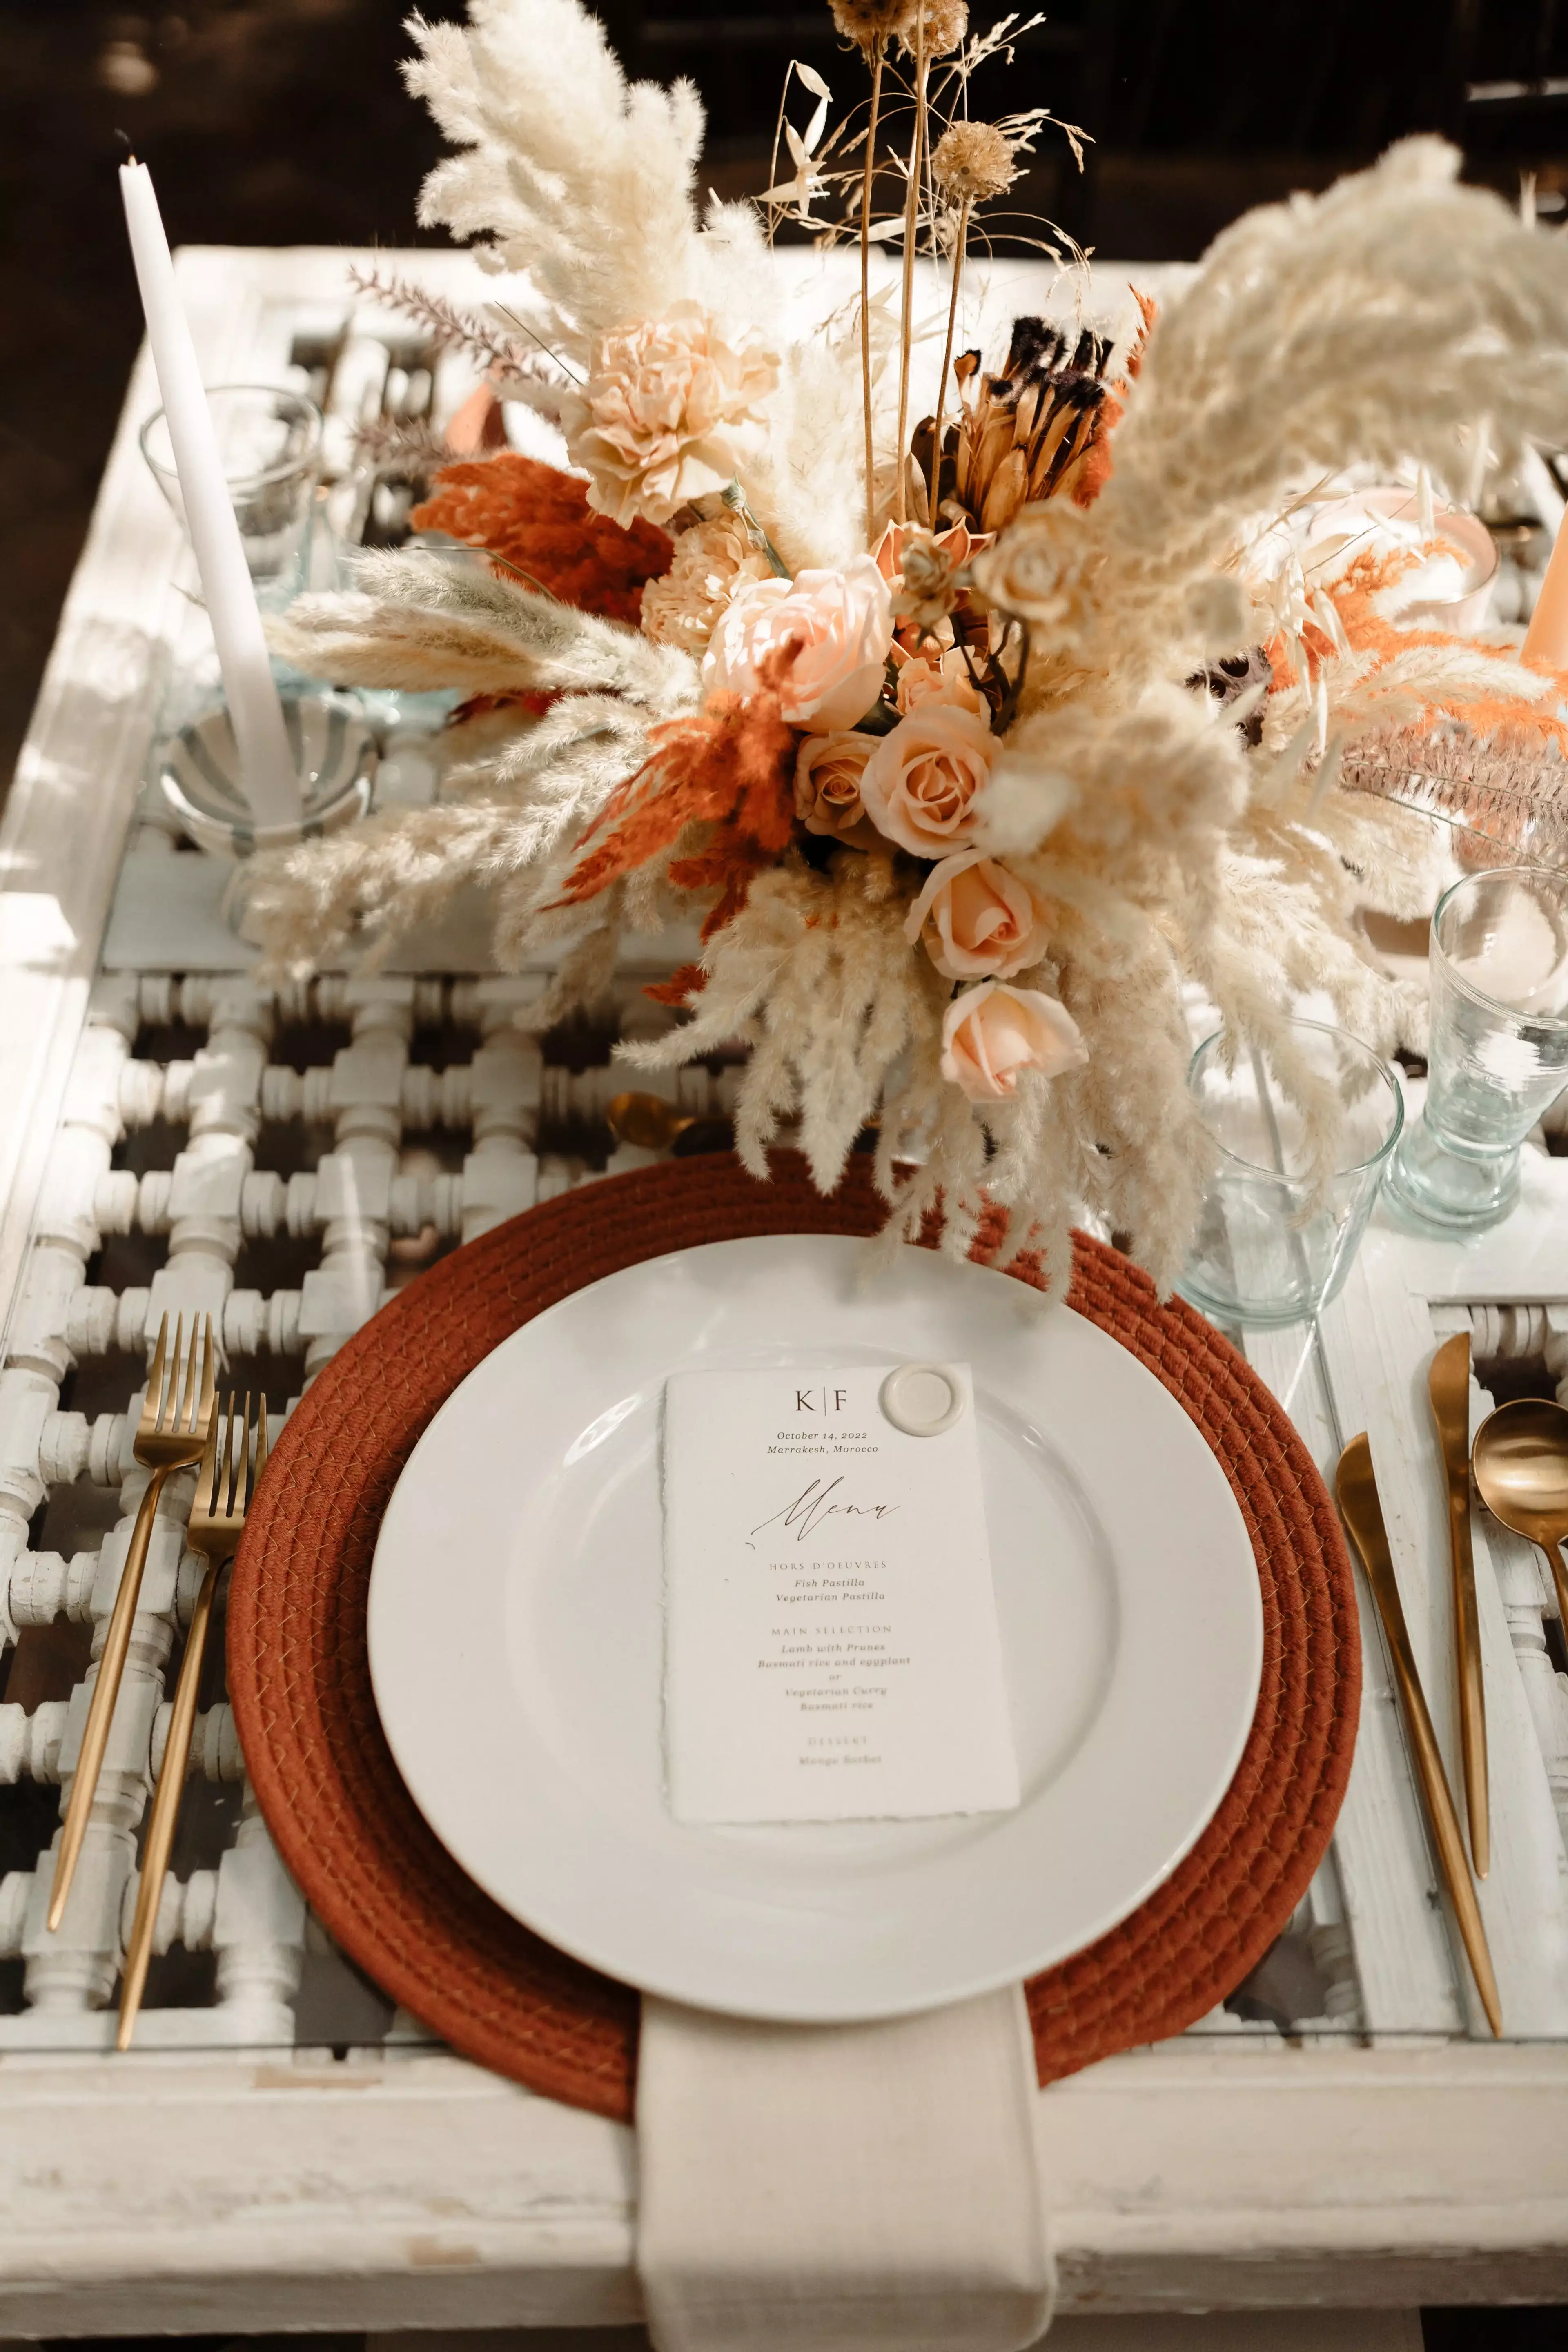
{"type": "Point", "coordinates": [971, 739]}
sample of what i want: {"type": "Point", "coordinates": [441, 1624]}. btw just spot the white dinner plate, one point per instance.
{"type": "Point", "coordinates": [516, 1640]}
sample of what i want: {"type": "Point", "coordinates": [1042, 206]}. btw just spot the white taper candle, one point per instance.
{"type": "Point", "coordinates": [266, 766]}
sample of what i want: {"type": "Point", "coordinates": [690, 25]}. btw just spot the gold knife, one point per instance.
{"type": "Point", "coordinates": [1355, 1487]}
{"type": "Point", "coordinates": [1448, 1384]}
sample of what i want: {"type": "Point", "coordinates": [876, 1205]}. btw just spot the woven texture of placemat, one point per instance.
{"type": "Point", "coordinates": [389, 1892]}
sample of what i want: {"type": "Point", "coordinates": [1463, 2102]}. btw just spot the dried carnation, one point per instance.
{"type": "Point", "coordinates": [870, 24]}
{"type": "Point", "coordinates": [941, 24]}
{"type": "Point", "coordinates": [713, 561]}
{"type": "Point", "coordinates": [669, 404]}
{"type": "Point", "coordinates": [973, 161]}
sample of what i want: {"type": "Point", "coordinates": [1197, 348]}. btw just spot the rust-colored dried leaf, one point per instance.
{"type": "Point", "coordinates": [537, 520]}
{"type": "Point", "coordinates": [730, 764]}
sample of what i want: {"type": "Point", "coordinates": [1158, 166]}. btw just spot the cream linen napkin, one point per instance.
{"type": "Point", "coordinates": [819, 2188]}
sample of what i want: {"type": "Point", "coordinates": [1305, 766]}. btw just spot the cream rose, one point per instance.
{"type": "Point", "coordinates": [920, 680]}
{"type": "Point", "coordinates": [979, 920]}
{"type": "Point", "coordinates": [992, 1032]}
{"type": "Point", "coordinates": [828, 772]}
{"type": "Point", "coordinates": [922, 781]}
{"type": "Point", "coordinates": [834, 629]}
{"type": "Point", "coordinates": [1028, 572]}
{"type": "Point", "coordinates": [667, 408]}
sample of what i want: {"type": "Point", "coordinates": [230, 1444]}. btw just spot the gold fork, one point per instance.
{"type": "Point", "coordinates": [217, 1522]}
{"type": "Point", "coordinates": [170, 1436]}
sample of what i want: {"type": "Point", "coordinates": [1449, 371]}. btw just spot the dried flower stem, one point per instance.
{"type": "Point", "coordinates": [960, 248]}
{"type": "Point", "coordinates": [911, 225]}
{"type": "Point", "coordinates": [383, 442]}
{"type": "Point", "coordinates": [452, 329]}
{"type": "Point", "coordinates": [877, 54]}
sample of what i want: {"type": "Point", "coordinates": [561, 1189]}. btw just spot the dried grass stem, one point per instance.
{"type": "Point", "coordinates": [878, 56]}
{"type": "Point", "coordinates": [911, 229]}
{"type": "Point", "coordinates": [959, 249]}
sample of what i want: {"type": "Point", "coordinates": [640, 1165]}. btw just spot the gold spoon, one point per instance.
{"type": "Point", "coordinates": [647, 1121]}
{"type": "Point", "coordinates": [651, 1124]}
{"type": "Point", "coordinates": [1521, 1461]}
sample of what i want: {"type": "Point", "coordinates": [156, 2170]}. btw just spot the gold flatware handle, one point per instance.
{"type": "Point", "coordinates": [1355, 1487]}
{"type": "Point", "coordinates": [1472, 1688]}
{"type": "Point", "coordinates": [1448, 1385]}
{"type": "Point", "coordinates": [105, 1690]}
{"type": "Point", "coordinates": [166, 1813]}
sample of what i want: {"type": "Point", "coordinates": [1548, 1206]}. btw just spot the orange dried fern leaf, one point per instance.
{"type": "Point", "coordinates": [537, 520]}
{"type": "Point", "coordinates": [732, 763]}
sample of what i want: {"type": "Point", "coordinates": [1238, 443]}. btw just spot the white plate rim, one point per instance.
{"type": "Point", "coordinates": [709, 1987]}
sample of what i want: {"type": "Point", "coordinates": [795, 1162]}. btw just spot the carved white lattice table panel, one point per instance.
{"type": "Point", "coordinates": [280, 1162]}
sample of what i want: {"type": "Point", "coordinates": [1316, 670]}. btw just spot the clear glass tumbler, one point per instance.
{"type": "Point", "coordinates": [1499, 1051]}
{"type": "Point", "coordinates": [1275, 1236]}
{"type": "Point", "coordinates": [270, 443]}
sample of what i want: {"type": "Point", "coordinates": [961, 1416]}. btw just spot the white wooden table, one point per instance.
{"type": "Point", "coordinates": [281, 2149]}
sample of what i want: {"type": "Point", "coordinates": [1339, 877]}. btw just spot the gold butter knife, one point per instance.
{"type": "Point", "coordinates": [1448, 1385]}
{"type": "Point", "coordinates": [1355, 1487]}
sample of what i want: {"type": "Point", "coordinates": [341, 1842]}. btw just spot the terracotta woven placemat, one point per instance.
{"type": "Point", "coordinates": [392, 1895]}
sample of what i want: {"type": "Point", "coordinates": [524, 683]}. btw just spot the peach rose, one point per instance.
{"type": "Point", "coordinates": [836, 628]}
{"type": "Point", "coordinates": [668, 408]}
{"type": "Point", "coordinates": [920, 782]}
{"type": "Point", "coordinates": [979, 920]}
{"type": "Point", "coordinates": [828, 772]}
{"type": "Point", "coordinates": [992, 1032]}
{"type": "Point", "coordinates": [920, 680]}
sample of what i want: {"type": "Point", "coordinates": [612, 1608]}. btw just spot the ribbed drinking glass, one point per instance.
{"type": "Point", "coordinates": [1499, 1051]}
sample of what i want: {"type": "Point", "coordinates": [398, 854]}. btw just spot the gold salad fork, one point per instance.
{"type": "Point", "coordinates": [172, 1430]}
{"type": "Point", "coordinates": [224, 1482]}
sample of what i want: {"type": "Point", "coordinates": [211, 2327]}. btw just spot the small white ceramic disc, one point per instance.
{"type": "Point", "coordinates": [922, 1400]}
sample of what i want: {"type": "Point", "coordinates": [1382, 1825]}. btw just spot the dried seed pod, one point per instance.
{"type": "Point", "coordinates": [973, 161]}
{"type": "Point", "coordinates": [872, 24]}
{"type": "Point", "coordinates": [942, 28]}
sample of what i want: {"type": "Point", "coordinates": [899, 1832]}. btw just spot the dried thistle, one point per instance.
{"type": "Point", "coordinates": [870, 25]}
{"type": "Point", "coordinates": [946, 22]}
{"type": "Point", "coordinates": [973, 161]}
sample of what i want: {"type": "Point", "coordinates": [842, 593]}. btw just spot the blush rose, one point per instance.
{"type": "Point", "coordinates": [923, 779]}
{"type": "Point", "coordinates": [992, 1032]}
{"type": "Point", "coordinates": [922, 680]}
{"type": "Point", "coordinates": [828, 772]}
{"type": "Point", "coordinates": [979, 922]}
{"type": "Point", "coordinates": [833, 630]}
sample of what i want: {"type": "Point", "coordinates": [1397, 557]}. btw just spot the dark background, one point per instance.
{"type": "Point", "coordinates": [281, 122]}
{"type": "Point", "coordinates": [277, 121]}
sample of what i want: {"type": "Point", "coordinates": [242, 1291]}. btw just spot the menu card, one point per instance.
{"type": "Point", "coordinates": [831, 1646]}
